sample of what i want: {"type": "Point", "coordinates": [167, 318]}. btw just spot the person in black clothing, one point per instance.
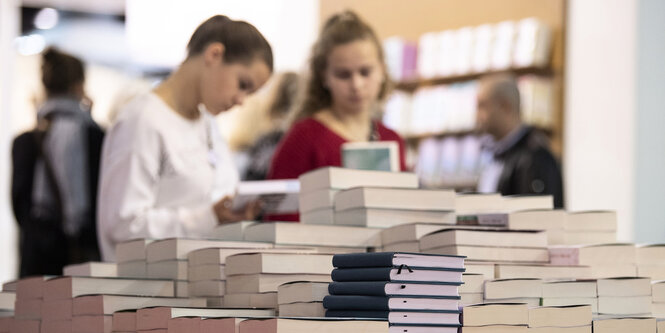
{"type": "Point", "coordinates": [522, 162]}
{"type": "Point", "coordinates": [54, 174]}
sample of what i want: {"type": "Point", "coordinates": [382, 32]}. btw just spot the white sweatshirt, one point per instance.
{"type": "Point", "coordinates": [160, 175]}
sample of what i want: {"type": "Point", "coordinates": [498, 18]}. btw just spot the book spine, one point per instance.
{"type": "Point", "coordinates": [357, 260]}
{"type": "Point", "coordinates": [361, 274]}
{"type": "Point", "coordinates": [370, 303]}
{"type": "Point", "coordinates": [357, 314]}
{"type": "Point", "coordinates": [374, 288]}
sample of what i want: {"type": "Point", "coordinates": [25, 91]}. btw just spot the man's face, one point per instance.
{"type": "Point", "coordinates": [488, 111]}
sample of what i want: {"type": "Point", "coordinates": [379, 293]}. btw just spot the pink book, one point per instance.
{"type": "Point", "coordinates": [88, 324]}
{"type": "Point", "coordinates": [124, 321]}
{"type": "Point", "coordinates": [184, 325]}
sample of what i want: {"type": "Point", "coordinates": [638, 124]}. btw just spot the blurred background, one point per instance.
{"type": "Point", "coordinates": [591, 74]}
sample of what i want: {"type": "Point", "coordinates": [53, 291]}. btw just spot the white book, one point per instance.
{"type": "Point", "coordinates": [483, 38]}
{"type": "Point", "coordinates": [572, 288]}
{"type": "Point", "coordinates": [207, 288]}
{"type": "Point", "coordinates": [570, 301]}
{"type": "Point", "coordinates": [538, 219]}
{"type": "Point", "coordinates": [655, 272]}
{"type": "Point", "coordinates": [218, 255]}
{"type": "Point", "coordinates": [386, 218]}
{"type": "Point", "coordinates": [624, 305]}
{"type": "Point", "coordinates": [277, 196]}
{"type": "Point", "coordinates": [658, 291]}
{"type": "Point", "coordinates": [178, 248]}
{"type": "Point", "coordinates": [533, 43]}
{"type": "Point", "coordinates": [7, 300]}
{"type": "Point", "coordinates": [408, 232]}
{"type": "Point", "coordinates": [231, 231]}
{"type": "Point", "coordinates": [168, 269]}
{"type": "Point", "coordinates": [302, 309]}
{"type": "Point", "coordinates": [301, 292]}
{"type": "Point", "coordinates": [511, 271]}
{"type": "Point", "coordinates": [628, 286]}
{"type": "Point", "coordinates": [560, 316]}
{"type": "Point", "coordinates": [108, 304]}
{"type": "Point", "coordinates": [447, 56]}
{"type": "Point", "coordinates": [514, 203]}
{"type": "Point", "coordinates": [609, 270]}
{"type": "Point", "coordinates": [464, 50]}
{"type": "Point", "coordinates": [393, 47]}
{"type": "Point", "coordinates": [622, 325]}
{"type": "Point", "coordinates": [324, 216]}
{"type": "Point", "coordinates": [319, 325]}
{"type": "Point", "coordinates": [158, 317]}
{"type": "Point", "coordinates": [428, 53]}
{"type": "Point", "coordinates": [132, 250]}
{"type": "Point", "coordinates": [502, 49]}
{"type": "Point", "coordinates": [318, 199]}
{"type": "Point", "coordinates": [493, 254]}
{"type": "Point", "coordinates": [261, 283]}
{"type": "Point", "coordinates": [495, 329]}
{"type": "Point", "coordinates": [254, 300]}
{"type": "Point", "coordinates": [473, 283]}
{"type": "Point", "coordinates": [395, 198]}
{"type": "Point", "coordinates": [92, 269]}
{"type": "Point", "coordinates": [598, 254]}
{"type": "Point", "coordinates": [470, 299]}
{"type": "Point", "coordinates": [206, 272]}
{"type": "Point", "coordinates": [339, 178]}
{"type": "Point", "coordinates": [513, 288]}
{"type": "Point", "coordinates": [478, 203]}
{"type": "Point", "coordinates": [530, 302]}
{"type": "Point", "coordinates": [485, 269]}
{"type": "Point", "coordinates": [316, 235]}
{"type": "Point", "coordinates": [588, 237]}
{"type": "Point", "coordinates": [591, 221]}
{"type": "Point", "coordinates": [497, 237]}
{"type": "Point", "coordinates": [495, 314]}
{"type": "Point", "coordinates": [68, 287]}
{"type": "Point", "coordinates": [651, 254]}
{"type": "Point", "coordinates": [402, 247]}
{"type": "Point", "coordinates": [278, 263]}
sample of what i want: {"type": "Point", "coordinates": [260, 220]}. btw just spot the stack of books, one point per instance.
{"type": "Point", "coordinates": [658, 299]}
{"type": "Point", "coordinates": [257, 276]}
{"type": "Point", "coordinates": [302, 299]}
{"type": "Point", "coordinates": [493, 318]}
{"type": "Point", "coordinates": [497, 245]}
{"type": "Point", "coordinates": [29, 301]}
{"type": "Point", "coordinates": [550, 221]}
{"type": "Point", "coordinates": [528, 291]}
{"type": "Point", "coordinates": [564, 319]}
{"type": "Point", "coordinates": [628, 296]}
{"type": "Point", "coordinates": [623, 325]}
{"type": "Point", "coordinates": [411, 291]}
{"type": "Point", "coordinates": [130, 258]}
{"type": "Point", "coordinates": [207, 273]}
{"type": "Point", "coordinates": [167, 259]}
{"type": "Point", "coordinates": [319, 187]}
{"type": "Point", "coordinates": [590, 227]}
{"type": "Point", "coordinates": [605, 260]}
{"type": "Point", "coordinates": [388, 207]}
{"type": "Point", "coordinates": [572, 292]}
{"type": "Point", "coordinates": [405, 237]}
{"type": "Point", "coordinates": [472, 291]}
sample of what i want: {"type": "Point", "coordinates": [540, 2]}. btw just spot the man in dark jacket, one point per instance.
{"type": "Point", "coordinates": [522, 162]}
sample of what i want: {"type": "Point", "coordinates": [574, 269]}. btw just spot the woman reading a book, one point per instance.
{"type": "Point", "coordinates": [347, 82]}
{"type": "Point", "coordinates": [166, 171]}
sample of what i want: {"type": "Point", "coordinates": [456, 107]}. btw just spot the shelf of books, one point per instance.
{"type": "Point", "coordinates": [391, 257]}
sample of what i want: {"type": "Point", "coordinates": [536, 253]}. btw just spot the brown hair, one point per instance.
{"type": "Point", "coordinates": [285, 95]}
{"type": "Point", "coordinates": [242, 41]}
{"type": "Point", "coordinates": [60, 72]}
{"type": "Point", "coordinates": [342, 28]}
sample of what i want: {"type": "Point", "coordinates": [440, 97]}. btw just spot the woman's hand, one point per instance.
{"type": "Point", "coordinates": [225, 214]}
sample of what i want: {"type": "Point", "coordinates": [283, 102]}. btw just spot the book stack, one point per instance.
{"type": "Point", "coordinates": [28, 306]}
{"type": "Point", "coordinates": [156, 319]}
{"type": "Point", "coordinates": [92, 269]}
{"type": "Point", "coordinates": [252, 279]}
{"type": "Point", "coordinates": [495, 318]}
{"type": "Point", "coordinates": [651, 261]}
{"type": "Point", "coordinates": [130, 258]}
{"type": "Point", "coordinates": [550, 221]}
{"type": "Point", "coordinates": [658, 299]}
{"type": "Point", "coordinates": [302, 299]}
{"type": "Point", "coordinates": [319, 325]}
{"type": "Point", "coordinates": [231, 231]}
{"type": "Point", "coordinates": [573, 292]}
{"type": "Point", "coordinates": [605, 260]}
{"type": "Point", "coordinates": [590, 227]}
{"type": "Point", "coordinates": [623, 325]}
{"type": "Point", "coordinates": [497, 245]}
{"type": "Point", "coordinates": [167, 259]}
{"type": "Point", "coordinates": [628, 296]}
{"type": "Point", "coordinates": [319, 187]}
{"type": "Point", "coordinates": [388, 207]}
{"type": "Point", "coordinates": [528, 291]}
{"type": "Point", "coordinates": [411, 291]}
{"type": "Point", "coordinates": [564, 319]}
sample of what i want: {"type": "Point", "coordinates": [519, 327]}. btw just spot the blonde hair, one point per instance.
{"type": "Point", "coordinates": [342, 28]}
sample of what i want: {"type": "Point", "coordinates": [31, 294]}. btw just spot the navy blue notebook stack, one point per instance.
{"type": "Point", "coordinates": [416, 293]}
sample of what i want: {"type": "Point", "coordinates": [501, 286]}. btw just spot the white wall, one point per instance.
{"type": "Point", "coordinates": [600, 108]}
{"type": "Point", "coordinates": [9, 26]}
{"type": "Point", "coordinates": [650, 151]}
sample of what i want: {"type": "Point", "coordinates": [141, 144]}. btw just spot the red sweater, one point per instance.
{"type": "Point", "coordinates": [311, 145]}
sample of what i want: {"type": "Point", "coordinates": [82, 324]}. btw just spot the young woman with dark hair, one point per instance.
{"type": "Point", "coordinates": [166, 171]}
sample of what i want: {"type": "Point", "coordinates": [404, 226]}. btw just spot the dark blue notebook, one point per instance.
{"type": "Point", "coordinates": [391, 259]}
{"type": "Point", "coordinates": [402, 273]}
{"type": "Point", "coordinates": [398, 316]}
{"type": "Point", "coordinates": [378, 303]}
{"type": "Point", "coordinates": [385, 288]}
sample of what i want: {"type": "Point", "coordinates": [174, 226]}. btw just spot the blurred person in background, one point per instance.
{"type": "Point", "coordinates": [522, 162]}
{"type": "Point", "coordinates": [55, 172]}
{"type": "Point", "coordinates": [347, 82]}
{"type": "Point", "coordinates": [282, 100]}
{"type": "Point", "coordinates": [166, 170]}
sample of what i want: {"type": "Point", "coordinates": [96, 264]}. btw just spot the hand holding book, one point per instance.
{"type": "Point", "coordinates": [226, 214]}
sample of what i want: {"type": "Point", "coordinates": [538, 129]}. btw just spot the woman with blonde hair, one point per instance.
{"type": "Point", "coordinates": [347, 82]}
